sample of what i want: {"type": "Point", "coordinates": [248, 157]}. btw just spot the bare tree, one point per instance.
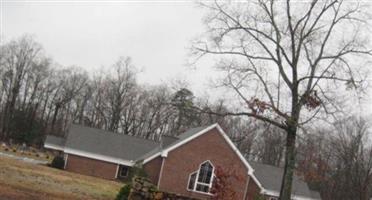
{"type": "Point", "coordinates": [286, 60]}
{"type": "Point", "coordinates": [269, 145]}
{"type": "Point", "coordinates": [353, 159]}
{"type": "Point", "coordinates": [70, 82]}
{"type": "Point", "coordinates": [121, 84]}
{"type": "Point", "coordinates": [17, 57]}
{"type": "Point", "coordinates": [337, 161]}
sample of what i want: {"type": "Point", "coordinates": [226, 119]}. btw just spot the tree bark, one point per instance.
{"type": "Point", "coordinates": [286, 189]}
{"type": "Point", "coordinates": [57, 107]}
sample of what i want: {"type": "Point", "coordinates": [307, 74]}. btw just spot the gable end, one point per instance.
{"type": "Point", "coordinates": [164, 153]}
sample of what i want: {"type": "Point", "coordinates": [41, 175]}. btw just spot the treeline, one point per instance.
{"type": "Point", "coordinates": [39, 97]}
{"type": "Point", "coordinates": [337, 161]}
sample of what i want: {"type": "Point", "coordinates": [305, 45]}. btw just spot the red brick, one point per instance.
{"type": "Point", "coordinates": [184, 160]}
{"type": "Point", "coordinates": [152, 169]}
{"type": "Point", "coordinates": [91, 167]}
{"type": "Point", "coordinates": [253, 190]}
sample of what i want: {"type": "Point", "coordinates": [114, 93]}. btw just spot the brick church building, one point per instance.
{"type": "Point", "coordinates": [183, 165]}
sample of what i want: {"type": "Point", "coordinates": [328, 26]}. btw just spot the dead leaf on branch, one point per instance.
{"type": "Point", "coordinates": [311, 100]}
{"type": "Point", "coordinates": [257, 106]}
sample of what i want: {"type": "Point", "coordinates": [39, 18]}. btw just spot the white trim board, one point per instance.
{"type": "Point", "coordinates": [164, 153]}
{"type": "Point", "coordinates": [55, 147]}
{"type": "Point", "coordinates": [236, 150]}
{"type": "Point", "coordinates": [90, 155]}
{"type": "Point", "coordinates": [129, 163]}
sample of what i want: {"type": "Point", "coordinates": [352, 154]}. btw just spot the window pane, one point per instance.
{"type": "Point", "coordinates": [205, 174]}
{"type": "Point", "coordinates": [192, 181]}
{"type": "Point", "coordinates": [202, 188]}
{"type": "Point", "coordinates": [123, 171]}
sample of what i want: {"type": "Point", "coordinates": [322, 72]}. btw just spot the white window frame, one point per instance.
{"type": "Point", "coordinates": [200, 183]}
{"type": "Point", "coordinates": [188, 182]}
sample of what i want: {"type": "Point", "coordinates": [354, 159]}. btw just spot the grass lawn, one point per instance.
{"type": "Point", "coordinates": [20, 180]}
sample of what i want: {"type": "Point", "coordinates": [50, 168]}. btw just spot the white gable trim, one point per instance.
{"type": "Point", "coordinates": [164, 153]}
{"type": "Point", "coordinates": [247, 165]}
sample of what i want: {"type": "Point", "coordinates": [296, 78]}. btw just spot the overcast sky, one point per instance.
{"type": "Point", "coordinates": [96, 33]}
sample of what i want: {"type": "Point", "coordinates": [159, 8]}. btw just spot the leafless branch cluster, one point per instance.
{"type": "Point", "coordinates": [288, 61]}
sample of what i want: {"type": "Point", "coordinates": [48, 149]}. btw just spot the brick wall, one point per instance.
{"type": "Point", "coordinates": [91, 167]}
{"type": "Point", "coordinates": [253, 190]}
{"type": "Point", "coordinates": [186, 159]}
{"type": "Point", "coordinates": [152, 169]}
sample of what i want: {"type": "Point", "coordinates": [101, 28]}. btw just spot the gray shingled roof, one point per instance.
{"type": "Point", "coordinates": [106, 143]}
{"type": "Point", "coordinates": [56, 141]}
{"type": "Point", "coordinates": [181, 137]}
{"type": "Point", "coordinates": [191, 132]}
{"type": "Point", "coordinates": [270, 177]}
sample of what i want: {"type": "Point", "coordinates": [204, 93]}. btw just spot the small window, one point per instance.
{"type": "Point", "coordinates": [123, 171]}
{"type": "Point", "coordinates": [192, 180]}
{"type": "Point", "coordinates": [205, 173]}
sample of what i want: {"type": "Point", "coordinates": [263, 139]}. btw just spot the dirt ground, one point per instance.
{"type": "Point", "coordinates": [20, 180]}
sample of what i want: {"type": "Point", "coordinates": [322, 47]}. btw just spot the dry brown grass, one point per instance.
{"type": "Point", "coordinates": [20, 180]}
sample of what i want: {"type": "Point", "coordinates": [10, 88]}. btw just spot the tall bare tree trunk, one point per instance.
{"type": "Point", "coordinates": [56, 110]}
{"type": "Point", "coordinates": [290, 153]}
{"type": "Point", "coordinates": [9, 110]}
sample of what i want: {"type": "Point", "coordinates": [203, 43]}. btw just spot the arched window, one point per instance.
{"type": "Point", "coordinates": [202, 180]}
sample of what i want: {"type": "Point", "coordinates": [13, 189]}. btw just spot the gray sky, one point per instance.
{"type": "Point", "coordinates": [96, 33]}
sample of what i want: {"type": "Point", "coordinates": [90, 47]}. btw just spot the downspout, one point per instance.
{"type": "Point", "coordinates": [117, 171]}
{"type": "Point", "coordinates": [246, 187]}
{"type": "Point", "coordinates": [66, 158]}
{"type": "Point", "coordinates": [163, 155]}
{"type": "Point", "coordinates": [161, 171]}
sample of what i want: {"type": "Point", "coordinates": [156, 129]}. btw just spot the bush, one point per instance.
{"type": "Point", "coordinates": [258, 197]}
{"type": "Point", "coordinates": [137, 170]}
{"type": "Point", "coordinates": [58, 162]}
{"type": "Point", "coordinates": [24, 130]}
{"type": "Point", "coordinates": [124, 192]}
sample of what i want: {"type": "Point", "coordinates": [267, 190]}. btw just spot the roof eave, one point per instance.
{"type": "Point", "coordinates": [54, 146]}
